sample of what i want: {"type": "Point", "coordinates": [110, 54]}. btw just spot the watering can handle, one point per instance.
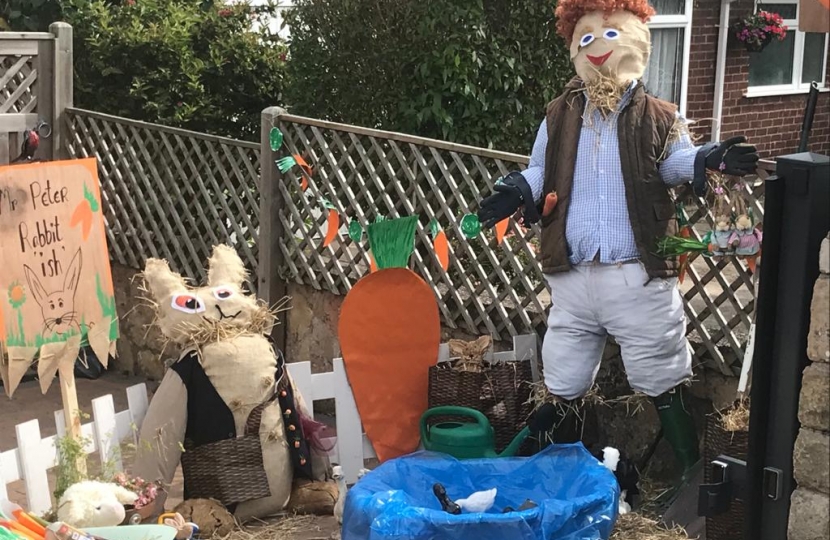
{"type": "Point", "coordinates": [450, 410]}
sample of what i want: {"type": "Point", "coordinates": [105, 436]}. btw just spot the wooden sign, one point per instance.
{"type": "Point", "coordinates": [814, 16]}
{"type": "Point", "coordinates": [56, 289]}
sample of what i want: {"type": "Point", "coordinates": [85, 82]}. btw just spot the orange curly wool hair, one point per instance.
{"type": "Point", "coordinates": [568, 12]}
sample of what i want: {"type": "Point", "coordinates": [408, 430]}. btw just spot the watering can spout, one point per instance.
{"type": "Point", "coordinates": [516, 443]}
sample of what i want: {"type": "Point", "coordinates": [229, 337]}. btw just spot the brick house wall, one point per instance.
{"type": "Point", "coordinates": [773, 123]}
{"type": "Point", "coordinates": [810, 503]}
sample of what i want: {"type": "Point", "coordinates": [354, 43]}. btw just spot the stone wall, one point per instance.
{"type": "Point", "coordinates": [810, 504]}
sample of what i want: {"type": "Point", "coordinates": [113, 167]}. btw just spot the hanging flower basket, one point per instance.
{"type": "Point", "coordinates": [758, 30]}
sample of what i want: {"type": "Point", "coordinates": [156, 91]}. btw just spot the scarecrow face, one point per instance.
{"type": "Point", "coordinates": [200, 315]}
{"type": "Point", "coordinates": [614, 46]}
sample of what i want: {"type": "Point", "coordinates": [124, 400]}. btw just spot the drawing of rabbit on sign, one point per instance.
{"type": "Point", "coordinates": [57, 306]}
{"type": "Point", "coordinates": [56, 292]}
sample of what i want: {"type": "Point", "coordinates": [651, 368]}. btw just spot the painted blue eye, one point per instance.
{"type": "Point", "coordinates": [610, 33]}
{"type": "Point", "coordinates": [586, 40]}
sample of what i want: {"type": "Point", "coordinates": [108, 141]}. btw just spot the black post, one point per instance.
{"type": "Point", "coordinates": [796, 220]}
{"type": "Point", "coordinates": [809, 114]}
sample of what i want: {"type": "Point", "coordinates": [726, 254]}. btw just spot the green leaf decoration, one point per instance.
{"type": "Point", "coordinates": [285, 164]}
{"type": "Point", "coordinates": [325, 203]}
{"type": "Point", "coordinates": [392, 241]}
{"type": "Point", "coordinates": [470, 225]}
{"type": "Point", "coordinates": [90, 198]}
{"type": "Point", "coordinates": [674, 246]}
{"type": "Point", "coordinates": [379, 218]}
{"type": "Point", "coordinates": [434, 228]}
{"type": "Point", "coordinates": [275, 137]}
{"type": "Point", "coordinates": [355, 230]}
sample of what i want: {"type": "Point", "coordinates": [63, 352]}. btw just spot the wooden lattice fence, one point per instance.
{"type": "Point", "coordinates": [174, 194]}
{"type": "Point", "coordinates": [35, 88]}
{"type": "Point", "coordinates": [491, 289]}
{"type": "Point", "coordinates": [168, 192]}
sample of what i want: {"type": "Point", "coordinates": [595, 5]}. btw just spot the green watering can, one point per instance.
{"type": "Point", "coordinates": [465, 440]}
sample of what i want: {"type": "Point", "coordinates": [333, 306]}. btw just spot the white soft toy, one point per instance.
{"type": "Point", "coordinates": [94, 504]}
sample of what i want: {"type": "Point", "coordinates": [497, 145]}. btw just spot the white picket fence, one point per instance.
{"type": "Point", "coordinates": [34, 456]}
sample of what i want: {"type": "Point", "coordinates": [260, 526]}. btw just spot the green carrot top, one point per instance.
{"type": "Point", "coordinates": [392, 241]}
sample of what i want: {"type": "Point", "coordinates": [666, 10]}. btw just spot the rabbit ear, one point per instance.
{"type": "Point", "coordinates": [160, 280]}
{"type": "Point", "coordinates": [73, 274]}
{"type": "Point", "coordinates": [225, 267]}
{"type": "Point", "coordinates": [37, 290]}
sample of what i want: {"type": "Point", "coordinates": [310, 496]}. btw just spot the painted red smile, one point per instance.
{"type": "Point", "coordinates": [599, 60]}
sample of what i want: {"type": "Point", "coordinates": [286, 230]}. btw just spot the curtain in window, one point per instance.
{"type": "Point", "coordinates": [669, 7]}
{"type": "Point", "coordinates": [665, 67]}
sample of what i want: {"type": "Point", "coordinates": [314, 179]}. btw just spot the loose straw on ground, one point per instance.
{"type": "Point", "coordinates": [633, 526]}
{"type": "Point", "coordinates": [284, 529]}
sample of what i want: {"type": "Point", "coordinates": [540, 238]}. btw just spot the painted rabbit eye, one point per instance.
{"type": "Point", "coordinates": [586, 40]}
{"type": "Point", "coordinates": [222, 293]}
{"type": "Point", "coordinates": [188, 303]}
{"type": "Point", "coordinates": [611, 33]}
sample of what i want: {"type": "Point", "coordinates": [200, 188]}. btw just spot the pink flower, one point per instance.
{"type": "Point", "coordinates": [130, 2]}
{"type": "Point", "coordinates": [225, 12]}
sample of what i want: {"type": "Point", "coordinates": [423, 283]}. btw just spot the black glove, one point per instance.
{"type": "Point", "coordinates": [733, 157]}
{"type": "Point", "coordinates": [509, 196]}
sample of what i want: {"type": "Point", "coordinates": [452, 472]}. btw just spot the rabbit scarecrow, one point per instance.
{"type": "Point", "coordinates": [599, 176]}
{"type": "Point", "coordinates": [227, 409]}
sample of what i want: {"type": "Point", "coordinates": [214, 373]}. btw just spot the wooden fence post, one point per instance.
{"type": "Point", "coordinates": [271, 286]}
{"type": "Point", "coordinates": [63, 94]}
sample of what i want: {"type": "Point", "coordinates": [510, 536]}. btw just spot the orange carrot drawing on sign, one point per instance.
{"type": "Point", "coordinates": [84, 213]}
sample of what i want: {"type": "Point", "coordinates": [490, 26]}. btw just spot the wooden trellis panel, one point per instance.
{"type": "Point", "coordinates": [490, 289]}
{"type": "Point", "coordinates": [170, 193]}
{"type": "Point", "coordinates": [26, 89]}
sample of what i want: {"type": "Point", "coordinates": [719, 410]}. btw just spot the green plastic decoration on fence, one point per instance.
{"type": "Point", "coordinates": [470, 225]}
{"type": "Point", "coordinates": [275, 137]}
{"type": "Point", "coordinates": [285, 164]}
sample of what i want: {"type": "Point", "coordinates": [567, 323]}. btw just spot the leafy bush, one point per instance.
{"type": "Point", "coordinates": [469, 71]}
{"type": "Point", "coordinates": [28, 15]}
{"type": "Point", "coordinates": [186, 63]}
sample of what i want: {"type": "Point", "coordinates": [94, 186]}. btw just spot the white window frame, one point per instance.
{"type": "Point", "coordinates": [796, 86]}
{"type": "Point", "coordinates": [683, 21]}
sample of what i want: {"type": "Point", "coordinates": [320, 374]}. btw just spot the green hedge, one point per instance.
{"type": "Point", "coordinates": [467, 71]}
{"type": "Point", "coordinates": [197, 64]}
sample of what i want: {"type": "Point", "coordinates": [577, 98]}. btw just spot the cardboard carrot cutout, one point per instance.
{"type": "Point", "coordinates": [332, 222]}
{"type": "Point", "coordinates": [501, 230]}
{"type": "Point", "coordinates": [440, 245]}
{"type": "Point", "coordinates": [389, 334]}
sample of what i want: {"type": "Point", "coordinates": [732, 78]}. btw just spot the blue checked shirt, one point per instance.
{"type": "Point", "coordinates": [598, 221]}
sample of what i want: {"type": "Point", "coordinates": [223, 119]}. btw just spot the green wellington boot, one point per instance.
{"type": "Point", "coordinates": [679, 431]}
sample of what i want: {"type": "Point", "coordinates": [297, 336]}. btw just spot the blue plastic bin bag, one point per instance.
{"type": "Point", "coordinates": [578, 498]}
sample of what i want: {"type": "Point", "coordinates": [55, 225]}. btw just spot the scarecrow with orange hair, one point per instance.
{"type": "Point", "coordinates": [599, 176]}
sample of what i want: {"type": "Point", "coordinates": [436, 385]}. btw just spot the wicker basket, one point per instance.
{"type": "Point", "coordinates": [718, 441]}
{"type": "Point", "coordinates": [231, 470]}
{"type": "Point", "coordinates": [500, 392]}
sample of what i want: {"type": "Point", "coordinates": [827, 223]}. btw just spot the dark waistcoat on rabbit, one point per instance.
{"type": "Point", "coordinates": [209, 419]}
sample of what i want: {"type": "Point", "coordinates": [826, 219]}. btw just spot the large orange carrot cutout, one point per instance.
{"type": "Point", "coordinates": [389, 335]}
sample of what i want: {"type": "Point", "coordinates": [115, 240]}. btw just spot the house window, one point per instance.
{"type": "Point", "coordinates": [668, 66]}
{"type": "Point", "coordinates": [788, 66]}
